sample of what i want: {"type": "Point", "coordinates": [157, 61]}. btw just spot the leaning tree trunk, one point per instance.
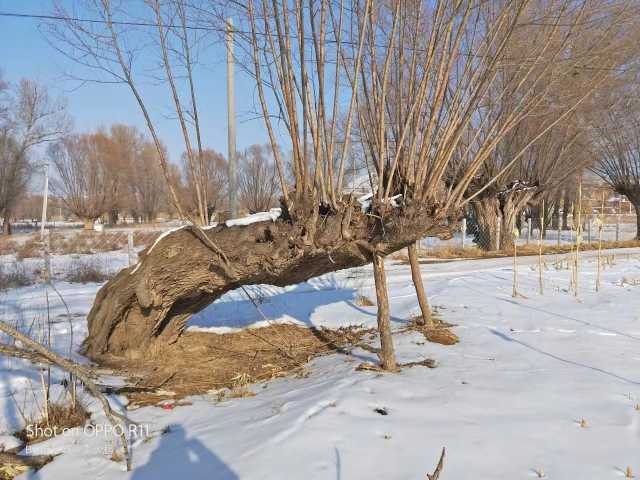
{"type": "Point", "coordinates": [387, 355]}
{"type": "Point", "coordinates": [416, 276]}
{"type": "Point", "coordinates": [189, 268]}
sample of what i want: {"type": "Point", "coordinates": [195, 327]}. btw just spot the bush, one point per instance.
{"type": "Point", "coordinates": [87, 271]}
{"type": "Point", "coordinates": [15, 275]}
{"type": "Point", "coordinates": [62, 416]}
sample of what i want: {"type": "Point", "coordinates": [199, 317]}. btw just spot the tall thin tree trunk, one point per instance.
{"type": "Point", "coordinates": [416, 276]}
{"type": "Point", "coordinates": [637, 207]}
{"type": "Point", "coordinates": [555, 218]}
{"type": "Point", "coordinates": [566, 207]}
{"type": "Point", "coordinates": [6, 224]}
{"type": "Point", "coordinates": [387, 355]}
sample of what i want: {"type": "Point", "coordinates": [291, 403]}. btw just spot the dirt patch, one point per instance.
{"type": "Point", "coordinates": [225, 364]}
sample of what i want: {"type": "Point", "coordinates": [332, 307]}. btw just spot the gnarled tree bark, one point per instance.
{"type": "Point", "coordinates": [190, 268]}
{"type": "Point", "coordinates": [495, 215]}
{"type": "Point", "coordinates": [633, 195]}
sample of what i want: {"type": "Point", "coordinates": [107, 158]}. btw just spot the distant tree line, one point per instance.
{"type": "Point", "coordinates": [112, 173]}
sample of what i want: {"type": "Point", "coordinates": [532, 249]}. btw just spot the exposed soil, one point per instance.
{"type": "Point", "coordinates": [225, 364]}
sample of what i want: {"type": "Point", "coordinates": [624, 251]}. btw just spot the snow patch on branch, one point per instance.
{"type": "Point", "coordinates": [365, 201]}
{"type": "Point", "coordinates": [271, 215]}
{"type": "Point", "coordinates": [518, 186]}
{"type": "Point", "coordinates": [164, 234]}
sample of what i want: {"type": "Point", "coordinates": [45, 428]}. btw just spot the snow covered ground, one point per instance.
{"type": "Point", "coordinates": [507, 401]}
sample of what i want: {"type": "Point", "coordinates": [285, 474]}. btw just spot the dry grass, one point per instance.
{"type": "Point", "coordinates": [523, 250]}
{"type": "Point", "coordinates": [32, 248]}
{"type": "Point", "coordinates": [7, 246]}
{"type": "Point", "coordinates": [87, 271]}
{"type": "Point", "coordinates": [64, 243]}
{"type": "Point", "coordinates": [61, 417]}
{"type": "Point", "coordinates": [436, 332]}
{"type": "Point", "coordinates": [9, 471]}
{"type": "Point", "coordinates": [364, 301]}
{"type": "Point", "coordinates": [87, 243]}
{"type": "Point", "coordinates": [226, 364]}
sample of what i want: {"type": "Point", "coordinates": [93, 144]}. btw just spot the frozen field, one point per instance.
{"type": "Point", "coordinates": [507, 401]}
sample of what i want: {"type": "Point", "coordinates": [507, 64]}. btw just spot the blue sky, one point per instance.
{"type": "Point", "coordinates": [25, 52]}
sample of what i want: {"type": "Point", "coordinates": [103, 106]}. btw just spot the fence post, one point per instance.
{"type": "Point", "coordinates": [617, 227]}
{"type": "Point", "coordinates": [528, 230]}
{"type": "Point", "coordinates": [559, 226]}
{"type": "Point", "coordinates": [589, 229]}
{"type": "Point", "coordinates": [47, 258]}
{"type": "Point", "coordinates": [130, 247]}
{"type": "Point", "coordinates": [498, 234]}
{"type": "Point", "coordinates": [464, 231]}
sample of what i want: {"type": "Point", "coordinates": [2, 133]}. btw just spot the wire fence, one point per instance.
{"type": "Point", "coordinates": [40, 275]}
{"type": "Point", "coordinates": [62, 255]}
{"type": "Point", "coordinates": [79, 256]}
{"type": "Point", "coordinates": [47, 282]}
{"type": "Point", "coordinates": [558, 232]}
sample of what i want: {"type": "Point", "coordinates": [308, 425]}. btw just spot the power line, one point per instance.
{"type": "Point", "coordinates": [105, 22]}
{"type": "Point", "coordinates": [129, 23]}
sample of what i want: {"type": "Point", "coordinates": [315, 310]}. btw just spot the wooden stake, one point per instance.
{"type": "Point", "coordinates": [416, 276]}
{"type": "Point", "coordinates": [387, 354]}
{"type": "Point", "coordinates": [45, 393]}
{"type": "Point", "coordinates": [436, 473]}
{"type": "Point", "coordinates": [578, 239]}
{"type": "Point", "coordinates": [600, 224]}
{"type": "Point", "coordinates": [515, 269]}
{"type": "Point", "coordinates": [540, 273]}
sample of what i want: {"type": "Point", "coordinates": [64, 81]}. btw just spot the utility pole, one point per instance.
{"type": "Point", "coordinates": [231, 124]}
{"type": "Point", "coordinates": [45, 195]}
